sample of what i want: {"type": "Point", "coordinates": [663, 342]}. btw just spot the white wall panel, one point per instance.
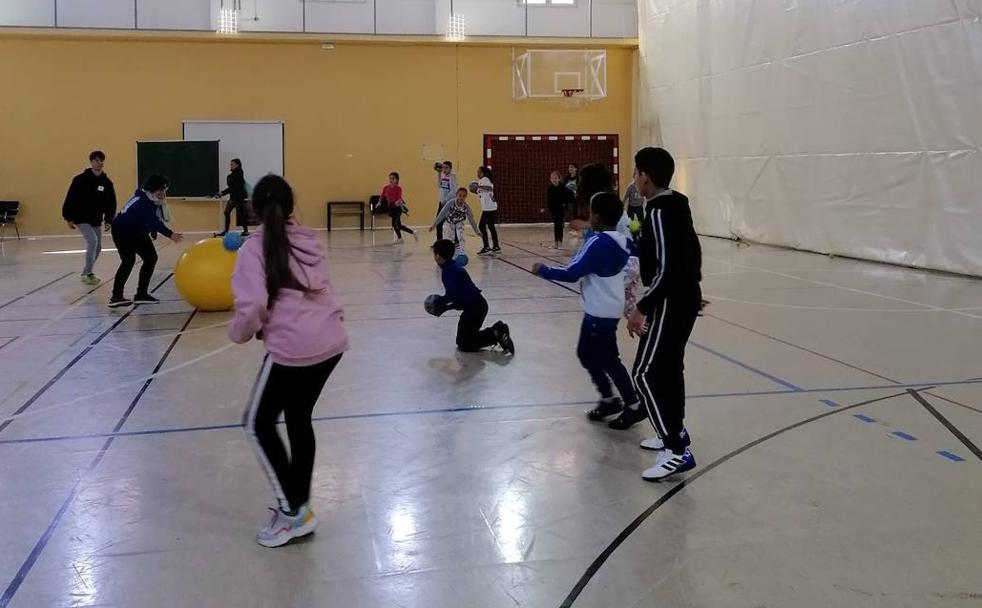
{"type": "Point", "coordinates": [546, 20]}
{"type": "Point", "coordinates": [23, 13]}
{"type": "Point", "coordinates": [265, 15]}
{"type": "Point", "coordinates": [492, 17]}
{"type": "Point", "coordinates": [346, 16]}
{"type": "Point", "coordinates": [174, 14]}
{"type": "Point", "coordinates": [615, 18]}
{"type": "Point", "coordinates": [847, 127]}
{"type": "Point", "coordinates": [97, 13]}
{"type": "Point", "coordinates": [411, 16]}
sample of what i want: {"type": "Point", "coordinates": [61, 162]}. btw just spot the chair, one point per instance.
{"type": "Point", "coordinates": [8, 215]}
{"type": "Point", "coordinates": [346, 208]}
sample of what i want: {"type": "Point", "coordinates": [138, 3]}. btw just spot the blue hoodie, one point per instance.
{"type": "Point", "coordinates": [139, 216]}
{"type": "Point", "coordinates": [599, 267]}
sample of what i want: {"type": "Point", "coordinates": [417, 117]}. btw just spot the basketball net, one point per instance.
{"type": "Point", "coordinates": [572, 98]}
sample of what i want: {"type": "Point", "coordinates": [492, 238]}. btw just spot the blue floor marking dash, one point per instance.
{"type": "Point", "coordinates": [864, 418]}
{"type": "Point", "coordinates": [904, 435]}
{"type": "Point", "coordinates": [830, 403]}
{"type": "Point", "coordinates": [950, 456]}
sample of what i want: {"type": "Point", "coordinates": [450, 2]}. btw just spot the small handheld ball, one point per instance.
{"type": "Point", "coordinates": [437, 166]}
{"type": "Point", "coordinates": [461, 260]}
{"type": "Point", "coordinates": [232, 241]}
{"type": "Point", "coordinates": [634, 226]}
{"type": "Point", "coordinates": [429, 304]}
{"type": "Point", "coordinates": [472, 187]}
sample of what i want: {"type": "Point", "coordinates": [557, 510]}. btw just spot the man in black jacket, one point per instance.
{"type": "Point", "coordinates": [671, 270]}
{"type": "Point", "coordinates": [91, 199]}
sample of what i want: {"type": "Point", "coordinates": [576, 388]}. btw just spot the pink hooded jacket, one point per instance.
{"type": "Point", "coordinates": [300, 330]}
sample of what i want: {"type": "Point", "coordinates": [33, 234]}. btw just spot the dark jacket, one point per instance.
{"type": "Point", "coordinates": [91, 199]}
{"type": "Point", "coordinates": [559, 197]}
{"type": "Point", "coordinates": [461, 290]}
{"type": "Point", "coordinates": [236, 186]}
{"type": "Point", "coordinates": [670, 255]}
{"type": "Point", "coordinates": [139, 216]}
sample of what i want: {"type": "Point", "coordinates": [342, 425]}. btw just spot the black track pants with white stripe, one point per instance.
{"type": "Point", "coordinates": [659, 368]}
{"type": "Point", "coordinates": [292, 391]}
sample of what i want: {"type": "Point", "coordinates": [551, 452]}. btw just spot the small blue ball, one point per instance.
{"type": "Point", "coordinates": [232, 241]}
{"type": "Point", "coordinates": [461, 260]}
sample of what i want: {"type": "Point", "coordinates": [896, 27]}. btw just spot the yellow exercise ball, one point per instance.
{"type": "Point", "coordinates": [204, 275]}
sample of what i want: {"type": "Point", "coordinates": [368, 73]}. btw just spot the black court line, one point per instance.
{"type": "Point", "coordinates": [64, 370]}
{"type": "Point", "coordinates": [598, 563]}
{"type": "Point", "coordinates": [522, 268]}
{"type": "Point", "coordinates": [947, 423]}
{"type": "Point", "coordinates": [32, 557]}
{"type": "Point", "coordinates": [937, 396]}
{"type": "Point", "coordinates": [33, 291]}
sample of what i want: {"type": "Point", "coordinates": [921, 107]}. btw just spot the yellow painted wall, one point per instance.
{"type": "Point", "coordinates": [352, 114]}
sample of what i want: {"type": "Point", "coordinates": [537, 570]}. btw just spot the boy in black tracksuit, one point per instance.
{"type": "Point", "coordinates": [463, 295]}
{"type": "Point", "coordinates": [91, 199]}
{"type": "Point", "coordinates": [671, 262]}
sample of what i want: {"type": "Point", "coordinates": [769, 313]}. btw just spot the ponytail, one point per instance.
{"type": "Point", "coordinates": [272, 200]}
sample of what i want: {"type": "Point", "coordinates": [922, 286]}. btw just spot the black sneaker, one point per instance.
{"type": "Point", "coordinates": [628, 418]}
{"type": "Point", "coordinates": [496, 249]}
{"type": "Point", "coordinates": [605, 409]}
{"type": "Point", "coordinates": [145, 298]}
{"type": "Point", "coordinates": [119, 302]}
{"type": "Point", "coordinates": [484, 251]}
{"type": "Point", "coordinates": [504, 337]}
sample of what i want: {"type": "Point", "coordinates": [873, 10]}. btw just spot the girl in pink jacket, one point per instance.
{"type": "Point", "coordinates": [284, 297]}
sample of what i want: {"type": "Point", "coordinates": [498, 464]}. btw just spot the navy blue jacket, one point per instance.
{"type": "Point", "coordinates": [139, 216]}
{"type": "Point", "coordinates": [461, 290]}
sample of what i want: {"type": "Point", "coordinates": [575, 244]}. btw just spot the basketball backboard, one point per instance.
{"type": "Point", "coordinates": [545, 73]}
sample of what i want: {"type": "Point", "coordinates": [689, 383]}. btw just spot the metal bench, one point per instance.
{"type": "Point", "coordinates": [346, 208]}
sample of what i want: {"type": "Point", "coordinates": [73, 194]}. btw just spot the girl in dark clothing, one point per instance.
{"type": "Point", "coordinates": [558, 197]}
{"type": "Point", "coordinates": [237, 195]}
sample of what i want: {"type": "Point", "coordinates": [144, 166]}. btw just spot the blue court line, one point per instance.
{"type": "Point", "coordinates": [904, 436]}
{"type": "Point", "coordinates": [747, 367]}
{"type": "Point", "coordinates": [829, 403]}
{"type": "Point", "coordinates": [471, 408]}
{"type": "Point", "coordinates": [25, 568]}
{"type": "Point", "coordinates": [950, 456]}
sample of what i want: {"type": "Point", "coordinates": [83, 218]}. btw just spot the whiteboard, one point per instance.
{"type": "Point", "coordinates": [259, 145]}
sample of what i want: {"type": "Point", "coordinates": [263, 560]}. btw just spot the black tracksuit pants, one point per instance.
{"type": "Point", "coordinates": [659, 366]}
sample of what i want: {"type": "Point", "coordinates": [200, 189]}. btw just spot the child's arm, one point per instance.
{"type": "Point", "coordinates": [251, 297]}
{"type": "Point", "coordinates": [441, 215]}
{"type": "Point", "coordinates": [670, 244]}
{"type": "Point", "coordinates": [453, 188]}
{"type": "Point", "coordinates": [583, 263]}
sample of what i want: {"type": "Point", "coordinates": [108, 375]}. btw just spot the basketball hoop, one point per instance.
{"type": "Point", "coordinates": [572, 98]}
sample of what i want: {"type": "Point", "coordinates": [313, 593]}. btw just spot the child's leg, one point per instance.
{"type": "Point", "coordinates": [228, 215]}
{"type": "Point", "coordinates": [470, 337]}
{"type": "Point", "coordinates": [273, 389]}
{"type": "Point", "coordinates": [306, 386]}
{"type": "Point", "coordinates": [439, 227]}
{"type": "Point", "coordinates": [658, 369]}
{"type": "Point", "coordinates": [557, 227]}
{"type": "Point", "coordinates": [591, 351]}
{"type": "Point", "coordinates": [395, 223]}
{"type": "Point", "coordinates": [91, 235]}
{"type": "Point", "coordinates": [147, 253]}
{"type": "Point", "coordinates": [127, 258]}
{"type": "Point", "coordinates": [457, 233]}
{"type": "Point", "coordinates": [483, 225]}
{"type": "Point", "coordinates": [492, 220]}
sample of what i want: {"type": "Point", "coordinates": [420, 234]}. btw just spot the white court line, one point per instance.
{"type": "Point", "coordinates": [163, 372]}
{"type": "Point", "coordinates": [852, 289]}
{"type": "Point", "coordinates": [716, 298]}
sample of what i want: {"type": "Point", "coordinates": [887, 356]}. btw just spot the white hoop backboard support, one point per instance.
{"type": "Point", "coordinates": [544, 73]}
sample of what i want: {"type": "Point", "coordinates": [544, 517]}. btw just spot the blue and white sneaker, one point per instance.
{"type": "Point", "coordinates": [667, 464]}
{"type": "Point", "coordinates": [283, 528]}
{"type": "Point", "coordinates": [656, 444]}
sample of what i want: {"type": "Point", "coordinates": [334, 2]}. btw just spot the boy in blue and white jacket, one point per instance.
{"type": "Point", "coordinates": [599, 267]}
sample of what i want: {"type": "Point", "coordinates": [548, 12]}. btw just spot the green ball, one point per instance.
{"type": "Point", "coordinates": [634, 225]}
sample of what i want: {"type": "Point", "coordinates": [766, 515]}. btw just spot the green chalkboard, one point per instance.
{"type": "Point", "coordinates": [191, 166]}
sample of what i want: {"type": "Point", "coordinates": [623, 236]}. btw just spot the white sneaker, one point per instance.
{"type": "Point", "coordinates": [416, 236]}
{"type": "Point", "coordinates": [667, 464]}
{"type": "Point", "coordinates": [283, 528]}
{"type": "Point", "coordinates": [654, 444]}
